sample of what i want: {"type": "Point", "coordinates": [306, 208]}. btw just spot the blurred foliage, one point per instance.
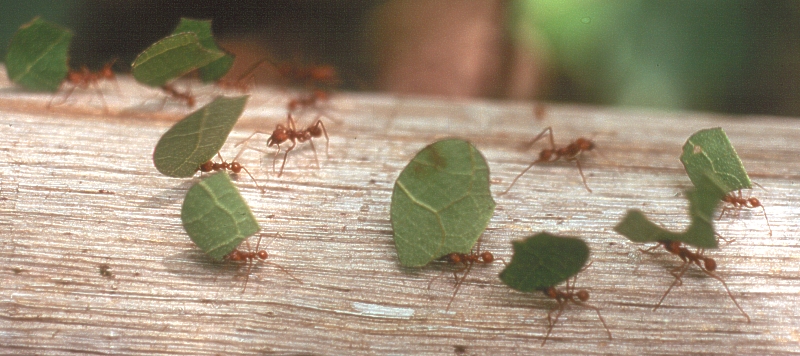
{"type": "Point", "coordinates": [672, 54]}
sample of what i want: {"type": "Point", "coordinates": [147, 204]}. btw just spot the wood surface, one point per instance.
{"type": "Point", "coordinates": [78, 191]}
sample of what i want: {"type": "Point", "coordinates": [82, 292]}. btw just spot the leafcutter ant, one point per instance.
{"type": "Point", "coordinates": [738, 202]}
{"type": "Point", "coordinates": [85, 79]}
{"type": "Point", "coordinates": [569, 295]}
{"type": "Point", "coordinates": [467, 260]}
{"type": "Point", "coordinates": [186, 96]}
{"type": "Point", "coordinates": [289, 132]}
{"type": "Point", "coordinates": [706, 264]}
{"type": "Point", "coordinates": [250, 257]}
{"type": "Point", "coordinates": [552, 154]}
{"type": "Point", "coordinates": [234, 167]}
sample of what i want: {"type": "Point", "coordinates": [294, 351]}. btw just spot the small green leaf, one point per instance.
{"type": "Point", "coordinates": [198, 137]}
{"type": "Point", "coordinates": [710, 151]}
{"type": "Point", "coordinates": [202, 28]}
{"type": "Point", "coordinates": [544, 260]}
{"type": "Point", "coordinates": [703, 200]}
{"type": "Point", "coordinates": [37, 55]}
{"type": "Point", "coordinates": [441, 202]}
{"type": "Point", "coordinates": [172, 57]}
{"type": "Point", "coordinates": [216, 217]}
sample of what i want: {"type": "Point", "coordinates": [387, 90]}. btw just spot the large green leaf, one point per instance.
{"type": "Point", "coordinates": [202, 28]}
{"type": "Point", "coordinates": [172, 57]}
{"type": "Point", "coordinates": [710, 151]}
{"type": "Point", "coordinates": [544, 260]}
{"type": "Point", "coordinates": [37, 55]}
{"type": "Point", "coordinates": [198, 137]}
{"type": "Point", "coordinates": [441, 202]}
{"type": "Point", "coordinates": [216, 217]}
{"type": "Point", "coordinates": [703, 200]}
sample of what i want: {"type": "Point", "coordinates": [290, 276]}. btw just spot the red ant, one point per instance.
{"type": "Point", "coordinates": [250, 256]}
{"type": "Point", "coordinates": [234, 167]}
{"type": "Point", "coordinates": [562, 298]}
{"type": "Point", "coordinates": [310, 76]}
{"type": "Point", "coordinates": [186, 97]}
{"type": "Point", "coordinates": [468, 260]}
{"type": "Point", "coordinates": [290, 132]}
{"type": "Point", "coordinates": [738, 202]}
{"type": "Point", "coordinates": [309, 100]}
{"type": "Point", "coordinates": [708, 266]}
{"type": "Point", "coordinates": [552, 154]}
{"type": "Point", "coordinates": [84, 79]}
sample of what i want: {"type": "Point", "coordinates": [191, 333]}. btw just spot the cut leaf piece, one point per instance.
{"type": "Point", "coordinates": [202, 28]}
{"type": "Point", "coordinates": [172, 57]}
{"type": "Point", "coordinates": [544, 260]}
{"type": "Point", "coordinates": [703, 200]}
{"type": "Point", "coordinates": [216, 217]}
{"type": "Point", "coordinates": [198, 137]}
{"type": "Point", "coordinates": [37, 55]}
{"type": "Point", "coordinates": [441, 202]}
{"type": "Point", "coordinates": [710, 151]}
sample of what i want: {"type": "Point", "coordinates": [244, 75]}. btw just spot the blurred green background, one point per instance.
{"type": "Point", "coordinates": [724, 56]}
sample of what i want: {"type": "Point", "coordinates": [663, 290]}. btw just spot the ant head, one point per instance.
{"type": "Point", "coordinates": [583, 295]}
{"type": "Point", "coordinates": [236, 255]}
{"type": "Point", "coordinates": [487, 257]}
{"type": "Point", "coordinates": [235, 167]}
{"type": "Point", "coordinates": [280, 135]}
{"type": "Point", "coordinates": [710, 264]}
{"type": "Point", "coordinates": [454, 258]}
{"type": "Point", "coordinates": [107, 72]}
{"type": "Point", "coordinates": [754, 202]}
{"type": "Point", "coordinates": [324, 72]}
{"type": "Point", "coordinates": [262, 254]}
{"type": "Point", "coordinates": [585, 144]}
{"type": "Point", "coordinates": [546, 154]}
{"type": "Point", "coordinates": [551, 292]}
{"type": "Point", "coordinates": [74, 76]}
{"type": "Point", "coordinates": [206, 167]}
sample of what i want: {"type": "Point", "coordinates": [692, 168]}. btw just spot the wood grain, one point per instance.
{"type": "Point", "coordinates": [78, 191]}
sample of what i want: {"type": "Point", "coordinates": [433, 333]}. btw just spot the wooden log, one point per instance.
{"type": "Point", "coordinates": [95, 260]}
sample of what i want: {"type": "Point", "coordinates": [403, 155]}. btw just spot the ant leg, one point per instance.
{"type": "Point", "coordinates": [327, 141]}
{"type": "Point", "coordinates": [767, 219]}
{"type": "Point", "coordinates": [316, 159]}
{"type": "Point", "coordinates": [551, 322]}
{"type": "Point", "coordinates": [102, 97]}
{"type": "Point", "coordinates": [458, 286]}
{"type": "Point", "coordinates": [683, 269]}
{"type": "Point", "coordinates": [285, 155]}
{"type": "Point", "coordinates": [249, 261]}
{"type": "Point", "coordinates": [714, 275]}
{"type": "Point", "coordinates": [727, 241]}
{"type": "Point", "coordinates": [66, 96]}
{"type": "Point", "coordinates": [651, 249]}
{"type": "Point", "coordinates": [597, 310]}
{"type": "Point", "coordinates": [284, 271]}
{"type": "Point", "coordinates": [580, 170]}
{"type": "Point", "coordinates": [518, 177]}
{"type": "Point", "coordinates": [538, 137]}
{"type": "Point", "coordinates": [248, 138]}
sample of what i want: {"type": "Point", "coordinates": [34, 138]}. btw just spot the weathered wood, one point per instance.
{"type": "Point", "coordinates": [78, 190]}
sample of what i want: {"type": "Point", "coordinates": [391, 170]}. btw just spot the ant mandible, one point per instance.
{"type": "Point", "coordinates": [552, 154]}
{"type": "Point", "coordinates": [738, 202]}
{"type": "Point", "coordinates": [250, 256]}
{"type": "Point", "coordinates": [186, 97]}
{"type": "Point", "coordinates": [562, 298]}
{"type": "Point", "coordinates": [84, 79]}
{"type": "Point", "coordinates": [467, 260]}
{"type": "Point", "coordinates": [708, 266]}
{"type": "Point", "coordinates": [234, 167]}
{"type": "Point", "coordinates": [290, 132]}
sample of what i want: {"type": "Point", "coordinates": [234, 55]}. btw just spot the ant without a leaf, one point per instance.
{"type": "Point", "coordinates": [234, 167]}
{"type": "Point", "coordinates": [249, 257]}
{"type": "Point", "coordinates": [290, 132]}
{"type": "Point", "coordinates": [708, 266]}
{"type": "Point", "coordinates": [310, 100]}
{"type": "Point", "coordinates": [562, 298]}
{"type": "Point", "coordinates": [467, 260]}
{"type": "Point", "coordinates": [552, 154]}
{"type": "Point", "coordinates": [738, 202]}
{"type": "Point", "coordinates": [186, 97]}
{"type": "Point", "coordinates": [84, 79]}
{"type": "Point", "coordinates": [311, 76]}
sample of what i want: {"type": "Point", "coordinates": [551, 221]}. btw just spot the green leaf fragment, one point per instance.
{"type": "Point", "coordinates": [202, 28]}
{"type": "Point", "coordinates": [216, 217]}
{"type": "Point", "coordinates": [703, 200]}
{"type": "Point", "coordinates": [544, 260]}
{"type": "Point", "coordinates": [441, 202]}
{"type": "Point", "coordinates": [198, 137]}
{"type": "Point", "coordinates": [37, 55]}
{"type": "Point", "coordinates": [710, 151]}
{"type": "Point", "coordinates": [172, 57]}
